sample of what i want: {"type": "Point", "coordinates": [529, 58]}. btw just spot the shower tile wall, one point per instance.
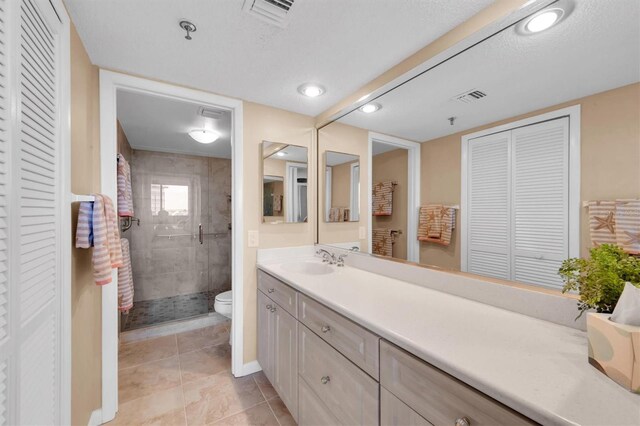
{"type": "Point", "coordinates": [179, 265]}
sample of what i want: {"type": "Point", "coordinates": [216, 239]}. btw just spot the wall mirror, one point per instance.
{"type": "Point", "coordinates": [341, 187]}
{"type": "Point", "coordinates": [518, 136]}
{"type": "Point", "coordinates": [284, 183]}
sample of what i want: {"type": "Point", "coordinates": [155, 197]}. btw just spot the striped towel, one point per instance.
{"type": "Point", "coordinates": [383, 198]}
{"type": "Point", "coordinates": [84, 230]}
{"type": "Point", "coordinates": [125, 194]}
{"type": "Point", "coordinates": [602, 222]}
{"type": "Point", "coordinates": [125, 279]}
{"type": "Point", "coordinates": [113, 233]}
{"type": "Point", "coordinates": [382, 241]}
{"type": "Point", "coordinates": [107, 251]}
{"type": "Point", "coordinates": [628, 225]}
{"type": "Point", "coordinates": [436, 224]}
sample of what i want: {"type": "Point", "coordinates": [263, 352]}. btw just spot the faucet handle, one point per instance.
{"type": "Point", "coordinates": [340, 260]}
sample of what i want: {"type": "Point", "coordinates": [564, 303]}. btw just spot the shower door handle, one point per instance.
{"type": "Point", "coordinates": [200, 234]}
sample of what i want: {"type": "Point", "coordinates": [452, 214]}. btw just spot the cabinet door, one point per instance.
{"type": "Point", "coordinates": [285, 373]}
{"type": "Point", "coordinates": [265, 335]}
{"type": "Point", "coordinates": [394, 412]}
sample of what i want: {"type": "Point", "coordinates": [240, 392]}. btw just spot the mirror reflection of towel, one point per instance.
{"type": "Point", "coordinates": [382, 241]}
{"type": "Point", "coordinates": [382, 194]}
{"type": "Point", "coordinates": [627, 223]}
{"type": "Point", "coordinates": [436, 224]}
{"type": "Point", "coordinates": [277, 203]}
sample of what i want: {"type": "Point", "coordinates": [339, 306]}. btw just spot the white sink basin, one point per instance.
{"type": "Point", "coordinates": [310, 268]}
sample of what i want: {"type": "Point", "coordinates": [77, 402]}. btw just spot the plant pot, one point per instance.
{"type": "Point", "coordinates": [614, 349]}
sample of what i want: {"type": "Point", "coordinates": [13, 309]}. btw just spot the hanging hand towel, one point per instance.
{"type": "Point", "coordinates": [125, 194]}
{"type": "Point", "coordinates": [602, 222]}
{"type": "Point", "coordinates": [382, 241]}
{"type": "Point", "coordinates": [84, 230]}
{"type": "Point", "coordinates": [277, 203]}
{"type": "Point", "coordinates": [436, 223]}
{"type": "Point", "coordinates": [628, 225]}
{"type": "Point", "coordinates": [125, 279]}
{"type": "Point", "coordinates": [383, 198]}
{"type": "Point", "coordinates": [107, 251]}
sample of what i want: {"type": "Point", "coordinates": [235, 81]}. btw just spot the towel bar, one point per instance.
{"type": "Point", "coordinates": [75, 198]}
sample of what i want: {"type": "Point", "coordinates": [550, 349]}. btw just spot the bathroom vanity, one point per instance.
{"type": "Point", "coordinates": [338, 350]}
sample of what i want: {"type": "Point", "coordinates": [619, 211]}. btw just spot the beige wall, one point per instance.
{"type": "Point", "coordinates": [340, 137]}
{"type": "Point", "coordinates": [610, 162]}
{"type": "Point", "coordinates": [393, 166]}
{"type": "Point", "coordinates": [266, 123]}
{"type": "Point", "coordinates": [86, 304]}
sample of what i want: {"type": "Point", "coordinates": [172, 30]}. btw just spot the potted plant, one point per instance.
{"type": "Point", "coordinates": [614, 349]}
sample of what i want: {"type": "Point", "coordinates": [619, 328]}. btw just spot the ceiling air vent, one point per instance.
{"type": "Point", "coordinates": [275, 12]}
{"type": "Point", "coordinates": [216, 114]}
{"type": "Point", "coordinates": [469, 96]}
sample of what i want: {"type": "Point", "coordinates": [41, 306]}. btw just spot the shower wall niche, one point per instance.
{"type": "Point", "coordinates": [181, 252]}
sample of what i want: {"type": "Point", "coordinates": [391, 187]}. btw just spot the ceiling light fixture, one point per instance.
{"type": "Point", "coordinates": [543, 20]}
{"type": "Point", "coordinates": [311, 90]}
{"type": "Point", "coordinates": [281, 153]}
{"type": "Point", "coordinates": [204, 135]}
{"type": "Point", "coordinates": [371, 107]}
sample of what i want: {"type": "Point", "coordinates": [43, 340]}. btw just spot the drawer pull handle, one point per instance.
{"type": "Point", "coordinates": [269, 307]}
{"type": "Point", "coordinates": [273, 309]}
{"type": "Point", "coordinates": [463, 421]}
{"type": "Point", "coordinates": [271, 290]}
{"type": "Point", "coordinates": [325, 379]}
{"type": "Point", "coordinates": [325, 329]}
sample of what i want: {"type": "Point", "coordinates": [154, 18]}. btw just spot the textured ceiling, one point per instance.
{"type": "Point", "coordinates": [342, 44]}
{"type": "Point", "coordinates": [160, 124]}
{"type": "Point", "coordinates": [596, 48]}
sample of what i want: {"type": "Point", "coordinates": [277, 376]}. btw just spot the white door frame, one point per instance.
{"type": "Point", "coordinates": [573, 112]}
{"type": "Point", "coordinates": [110, 82]}
{"type": "Point", "coordinates": [413, 190]}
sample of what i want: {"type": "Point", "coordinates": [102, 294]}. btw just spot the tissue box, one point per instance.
{"type": "Point", "coordinates": [614, 349]}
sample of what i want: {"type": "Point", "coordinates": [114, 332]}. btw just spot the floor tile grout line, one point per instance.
{"type": "Point", "coordinates": [266, 399]}
{"type": "Point", "coordinates": [273, 412]}
{"type": "Point", "coordinates": [239, 412]}
{"type": "Point", "coordinates": [184, 400]}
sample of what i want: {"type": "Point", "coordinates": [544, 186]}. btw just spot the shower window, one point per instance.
{"type": "Point", "coordinates": [174, 199]}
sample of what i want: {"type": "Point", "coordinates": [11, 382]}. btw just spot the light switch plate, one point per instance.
{"type": "Point", "coordinates": [253, 238]}
{"type": "Point", "coordinates": [362, 232]}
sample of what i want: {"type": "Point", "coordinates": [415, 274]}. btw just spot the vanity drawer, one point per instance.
{"type": "Point", "coordinates": [394, 412]}
{"type": "Point", "coordinates": [438, 397]}
{"type": "Point", "coordinates": [348, 392]}
{"type": "Point", "coordinates": [353, 341]}
{"type": "Point", "coordinates": [311, 411]}
{"type": "Point", "coordinates": [278, 291]}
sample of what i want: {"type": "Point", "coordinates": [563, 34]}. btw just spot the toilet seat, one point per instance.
{"type": "Point", "coordinates": [224, 298]}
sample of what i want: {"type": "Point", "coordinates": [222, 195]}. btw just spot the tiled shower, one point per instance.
{"type": "Point", "coordinates": [181, 251]}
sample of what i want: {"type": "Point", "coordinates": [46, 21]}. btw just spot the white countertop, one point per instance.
{"type": "Point", "coordinates": [538, 368]}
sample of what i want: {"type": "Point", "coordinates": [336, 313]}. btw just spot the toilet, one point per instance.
{"type": "Point", "coordinates": [222, 304]}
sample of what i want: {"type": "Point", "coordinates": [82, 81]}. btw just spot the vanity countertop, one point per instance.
{"type": "Point", "coordinates": [538, 368]}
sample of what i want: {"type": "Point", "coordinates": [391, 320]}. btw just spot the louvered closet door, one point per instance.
{"type": "Point", "coordinates": [37, 278]}
{"type": "Point", "coordinates": [488, 202]}
{"type": "Point", "coordinates": [6, 340]}
{"type": "Point", "coordinates": [540, 201]}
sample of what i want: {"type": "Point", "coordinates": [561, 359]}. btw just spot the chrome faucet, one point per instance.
{"type": "Point", "coordinates": [327, 257]}
{"type": "Point", "coordinates": [340, 260]}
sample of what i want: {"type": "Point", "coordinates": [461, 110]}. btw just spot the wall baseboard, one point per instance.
{"type": "Point", "coordinates": [250, 368]}
{"type": "Point", "coordinates": [96, 418]}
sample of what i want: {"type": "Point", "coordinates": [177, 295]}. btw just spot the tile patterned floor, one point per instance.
{"type": "Point", "coordinates": [151, 312]}
{"type": "Point", "coordinates": [185, 379]}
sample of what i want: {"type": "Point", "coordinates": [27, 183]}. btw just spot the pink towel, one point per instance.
{"type": "Point", "coordinates": [107, 251]}
{"type": "Point", "coordinates": [125, 279]}
{"type": "Point", "coordinates": [125, 194]}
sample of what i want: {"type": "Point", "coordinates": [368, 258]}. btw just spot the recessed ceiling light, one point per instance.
{"type": "Point", "coordinates": [371, 107]}
{"type": "Point", "coordinates": [281, 154]}
{"type": "Point", "coordinates": [204, 135]}
{"type": "Point", "coordinates": [311, 90]}
{"type": "Point", "coordinates": [543, 20]}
